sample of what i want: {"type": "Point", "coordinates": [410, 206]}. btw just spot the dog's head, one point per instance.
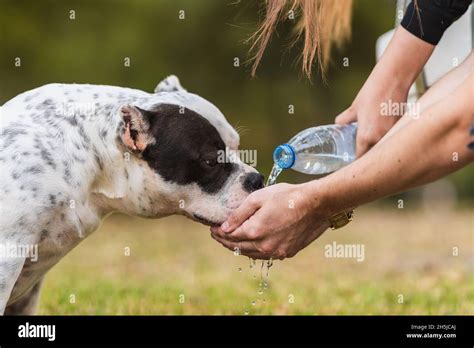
{"type": "Point", "coordinates": [182, 144]}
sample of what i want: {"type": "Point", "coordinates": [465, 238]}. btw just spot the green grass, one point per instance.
{"type": "Point", "coordinates": [406, 252]}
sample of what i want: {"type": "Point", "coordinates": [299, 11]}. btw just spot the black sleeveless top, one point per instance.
{"type": "Point", "coordinates": [435, 16]}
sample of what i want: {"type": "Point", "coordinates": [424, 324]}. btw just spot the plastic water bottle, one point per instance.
{"type": "Point", "coordinates": [316, 150]}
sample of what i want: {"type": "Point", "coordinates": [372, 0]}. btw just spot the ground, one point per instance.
{"type": "Point", "coordinates": [172, 266]}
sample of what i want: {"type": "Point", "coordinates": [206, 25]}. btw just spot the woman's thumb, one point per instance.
{"type": "Point", "coordinates": [347, 116]}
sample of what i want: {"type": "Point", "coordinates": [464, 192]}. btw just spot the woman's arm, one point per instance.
{"type": "Point", "coordinates": [444, 86]}
{"type": "Point", "coordinates": [389, 82]}
{"type": "Point", "coordinates": [280, 220]}
{"type": "Point", "coordinates": [408, 51]}
{"type": "Point", "coordinates": [422, 150]}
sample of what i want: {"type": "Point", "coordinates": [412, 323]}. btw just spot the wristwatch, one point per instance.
{"type": "Point", "coordinates": [341, 219]}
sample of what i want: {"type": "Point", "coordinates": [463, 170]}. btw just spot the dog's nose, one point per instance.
{"type": "Point", "coordinates": [253, 182]}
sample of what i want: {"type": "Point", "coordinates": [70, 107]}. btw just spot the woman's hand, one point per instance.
{"type": "Point", "coordinates": [382, 100]}
{"type": "Point", "coordinates": [379, 92]}
{"type": "Point", "coordinates": [274, 222]}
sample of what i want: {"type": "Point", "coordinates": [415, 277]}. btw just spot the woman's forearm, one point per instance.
{"type": "Point", "coordinates": [389, 82]}
{"type": "Point", "coordinates": [423, 150]}
{"type": "Point", "coordinates": [404, 58]}
{"type": "Point", "coordinates": [443, 87]}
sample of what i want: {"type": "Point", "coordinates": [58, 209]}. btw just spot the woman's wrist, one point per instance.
{"type": "Point", "coordinates": [334, 193]}
{"type": "Point", "coordinates": [392, 77]}
{"type": "Point", "coordinates": [318, 199]}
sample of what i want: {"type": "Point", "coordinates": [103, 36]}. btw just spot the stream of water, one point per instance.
{"type": "Point", "coordinates": [265, 265]}
{"type": "Point", "coordinates": [276, 171]}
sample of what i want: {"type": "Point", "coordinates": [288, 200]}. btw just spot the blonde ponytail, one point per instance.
{"type": "Point", "coordinates": [322, 23]}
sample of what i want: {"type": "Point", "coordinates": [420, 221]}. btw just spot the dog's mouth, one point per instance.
{"type": "Point", "coordinates": [205, 221]}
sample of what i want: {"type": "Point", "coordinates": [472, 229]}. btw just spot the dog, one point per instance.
{"type": "Point", "coordinates": [72, 154]}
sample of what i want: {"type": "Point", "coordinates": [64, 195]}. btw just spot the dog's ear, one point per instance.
{"type": "Point", "coordinates": [136, 134]}
{"type": "Point", "coordinates": [169, 84]}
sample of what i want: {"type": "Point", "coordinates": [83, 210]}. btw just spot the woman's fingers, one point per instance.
{"type": "Point", "coordinates": [242, 213]}
{"type": "Point", "coordinates": [248, 231]}
{"type": "Point", "coordinates": [370, 133]}
{"type": "Point", "coordinates": [363, 141]}
{"type": "Point", "coordinates": [363, 144]}
{"type": "Point", "coordinates": [242, 248]}
{"type": "Point", "coordinates": [257, 255]}
{"type": "Point", "coordinates": [347, 116]}
{"type": "Point", "coordinates": [235, 246]}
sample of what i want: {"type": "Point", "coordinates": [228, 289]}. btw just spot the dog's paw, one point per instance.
{"type": "Point", "coordinates": [169, 84]}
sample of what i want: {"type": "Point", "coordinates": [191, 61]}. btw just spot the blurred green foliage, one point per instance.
{"type": "Point", "coordinates": [200, 50]}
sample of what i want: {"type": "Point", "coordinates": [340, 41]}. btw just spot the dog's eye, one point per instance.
{"type": "Point", "coordinates": [211, 162]}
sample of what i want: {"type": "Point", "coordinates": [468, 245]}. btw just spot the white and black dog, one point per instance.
{"type": "Point", "coordinates": [71, 154]}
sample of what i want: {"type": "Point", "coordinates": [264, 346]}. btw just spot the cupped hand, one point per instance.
{"type": "Point", "coordinates": [274, 222]}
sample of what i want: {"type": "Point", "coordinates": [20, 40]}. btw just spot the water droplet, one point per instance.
{"type": "Point", "coordinates": [260, 291]}
{"type": "Point", "coordinates": [253, 303]}
{"type": "Point", "coordinates": [239, 269]}
{"type": "Point", "coordinates": [246, 313]}
{"type": "Point", "coordinates": [270, 263]}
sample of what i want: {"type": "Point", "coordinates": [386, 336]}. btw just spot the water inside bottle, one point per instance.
{"type": "Point", "coordinates": [315, 164]}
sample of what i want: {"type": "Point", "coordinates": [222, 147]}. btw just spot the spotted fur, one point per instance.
{"type": "Point", "coordinates": [66, 163]}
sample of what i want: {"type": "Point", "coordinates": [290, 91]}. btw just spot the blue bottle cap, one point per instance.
{"type": "Point", "coordinates": [284, 156]}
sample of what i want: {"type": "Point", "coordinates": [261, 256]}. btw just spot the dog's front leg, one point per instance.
{"type": "Point", "coordinates": [10, 269]}
{"type": "Point", "coordinates": [27, 304]}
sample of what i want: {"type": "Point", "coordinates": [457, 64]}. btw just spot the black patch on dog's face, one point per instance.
{"type": "Point", "coordinates": [187, 148]}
